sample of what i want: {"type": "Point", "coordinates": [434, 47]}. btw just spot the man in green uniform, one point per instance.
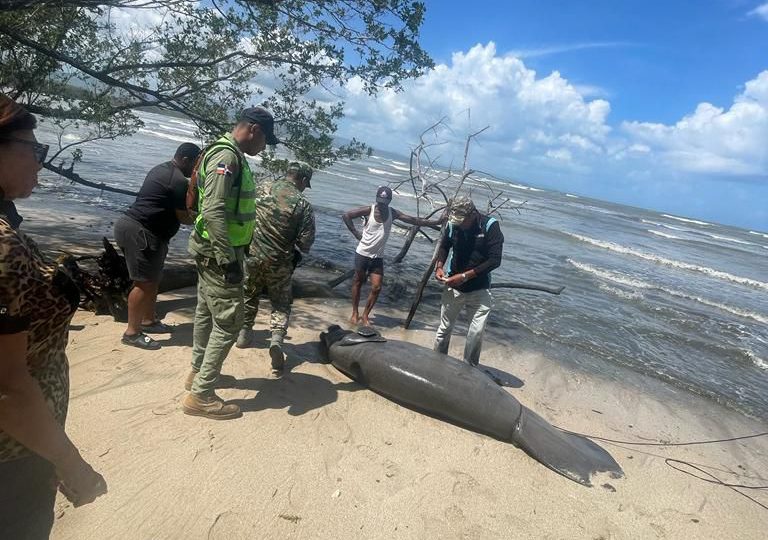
{"type": "Point", "coordinates": [285, 223]}
{"type": "Point", "coordinates": [223, 228]}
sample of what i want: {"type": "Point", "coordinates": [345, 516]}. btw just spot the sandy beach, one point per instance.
{"type": "Point", "coordinates": [316, 455]}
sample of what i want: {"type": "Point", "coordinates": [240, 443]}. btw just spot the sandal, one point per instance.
{"type": "Point", "coordinates": [141, 340]}
{"type": "Point", "coordinates": [156, 327]}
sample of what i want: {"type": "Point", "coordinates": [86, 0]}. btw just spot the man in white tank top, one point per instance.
{"type": "Point", "coordinates": [370, 250]}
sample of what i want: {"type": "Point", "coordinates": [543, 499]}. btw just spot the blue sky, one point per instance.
{"type": "Point", "coordinates": [662, 105]}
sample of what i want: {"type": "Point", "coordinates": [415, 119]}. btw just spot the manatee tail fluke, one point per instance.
{"type": "Point", "coordinates": [568, 454]}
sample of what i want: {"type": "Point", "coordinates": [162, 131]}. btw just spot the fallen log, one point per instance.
{"type": "Point", "coordinates": [529, 286]}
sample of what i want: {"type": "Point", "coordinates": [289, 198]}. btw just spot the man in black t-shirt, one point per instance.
{"type": "Point", "coordinates": [143, 234]}
{"type": "Point", "coordinates": [475, 244]}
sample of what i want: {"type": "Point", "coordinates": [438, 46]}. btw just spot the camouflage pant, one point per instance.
{"type": "Point", "coordinates": [276, 281]}
{"type": "Point", "coordinates": [218, 318]}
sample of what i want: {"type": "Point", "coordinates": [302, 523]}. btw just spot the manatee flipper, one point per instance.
{"type": "Point", "coordinates": [571, 455]}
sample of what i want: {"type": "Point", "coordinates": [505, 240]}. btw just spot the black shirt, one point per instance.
{"type": "Point", "coordinates": [163, 192]}
{"type": "Point", "coordinates": [478, 248]}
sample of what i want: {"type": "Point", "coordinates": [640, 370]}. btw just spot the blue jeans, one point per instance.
{"type": "Point", "coordinates": [479, 303]}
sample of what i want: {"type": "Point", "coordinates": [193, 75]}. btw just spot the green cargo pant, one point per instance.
{"type": "Point", "coordinates": [276, 280]}
{"type": "Point", "coordinates": [218, 318]}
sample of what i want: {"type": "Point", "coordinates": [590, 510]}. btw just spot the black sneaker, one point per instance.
{"type": "Point", "coordinates": [156, 327]}
{"type": "Point", "coordinates": [142, 341]}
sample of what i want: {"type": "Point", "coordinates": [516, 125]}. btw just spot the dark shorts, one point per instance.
{"type": "Point", "coordinates": [144, 251]}
{"type": "Point", "coordinates": [27, 496]}
{"type": "Point", "coordinates": [369, 265]}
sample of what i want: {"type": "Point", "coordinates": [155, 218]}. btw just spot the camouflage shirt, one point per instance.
{"type": "Point", "coordinates": [284, 220]}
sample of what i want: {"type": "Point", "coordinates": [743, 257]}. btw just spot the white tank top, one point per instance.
{"type": "Point", "coordinates": [375, 235]}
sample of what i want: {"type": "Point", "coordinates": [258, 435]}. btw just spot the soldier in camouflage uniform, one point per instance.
{"type": "Point", "coordinates": [285, 223]}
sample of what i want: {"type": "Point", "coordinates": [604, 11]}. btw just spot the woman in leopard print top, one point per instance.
{"type": "Point", "coordinates": [37, 302]}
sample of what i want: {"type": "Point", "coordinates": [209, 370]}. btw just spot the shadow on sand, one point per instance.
{"type": "Point", "coordinates": [299, 392]}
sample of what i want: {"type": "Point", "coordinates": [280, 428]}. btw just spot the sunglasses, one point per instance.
{"type": "Point", "coordinates": [40, 150]}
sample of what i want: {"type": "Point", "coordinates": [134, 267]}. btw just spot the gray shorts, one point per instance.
{"type": "Point", "coordinates": [144, 252]}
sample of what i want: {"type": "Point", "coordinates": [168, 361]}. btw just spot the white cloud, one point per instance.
{"type": "Point", "coordinates": [712, 139]}
{"type": "Point", "coordinates": [530, 116]}
{"type": "Point", "coordinates": [547, 130]}
{"type": "Point", "coordinates": [558, 49]}
{"type": "Point", "coordinates": [760, 11]}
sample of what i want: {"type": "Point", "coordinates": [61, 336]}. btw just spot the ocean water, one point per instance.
{"type": "Point", "coordinates": [679, 300]}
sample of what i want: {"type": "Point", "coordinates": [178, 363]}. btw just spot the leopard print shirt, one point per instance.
{"type": "Point", "coordinates": [32, 298]}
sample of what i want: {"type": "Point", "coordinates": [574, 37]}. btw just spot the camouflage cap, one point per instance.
{"type": "Point", "coordinates": [461, 207]}
{"type": "Point", "coordinates": [302, 169]}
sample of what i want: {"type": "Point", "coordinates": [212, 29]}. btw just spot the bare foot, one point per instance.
{"type": "Point", "coordinates": [364, 321]}
{"type": "Point", "coordinates": [354, 319]}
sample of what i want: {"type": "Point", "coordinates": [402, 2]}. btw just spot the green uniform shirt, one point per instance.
{"type": "Point", "coordinates": [218, 187]}
{"type": "Point", "coordinates": [284, 219]}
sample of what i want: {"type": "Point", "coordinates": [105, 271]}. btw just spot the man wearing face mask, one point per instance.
{"type": "Point", "coordinates": [223, 228]}
{"type": "Point", "coordinates": [470, 248]}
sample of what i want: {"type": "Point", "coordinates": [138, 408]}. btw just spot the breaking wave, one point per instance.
{"type": "Point", "coordinates": [664, 235]}
{"type": "Point", "coordinates": [627, 281]}
{"type": "Point", "coordinates": [665, 225]}
{"type": "Point", "coordinates": [162, 135]}
{"type": "Point", "coordinates": [686, 220]}
{"type": "Point", "coordinates": [387, 173]}
{"type": "Point", "coordinates": [729, 239]}
{"type": "Point", "coordinates": [719, 274]}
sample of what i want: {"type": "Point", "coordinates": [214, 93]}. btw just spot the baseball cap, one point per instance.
{"type": "Point", "coordinates": [302, 169]}
{"type": "Point", "coordinates": [383, 195]}
{"type": "Point", "coordinates": [461, 207]}
{"type": "Point", "coordinates": [261, 116]}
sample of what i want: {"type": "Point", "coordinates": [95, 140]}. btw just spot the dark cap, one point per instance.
{"type": "Point", "coordinates": [13, 116]}
{"type": "Point", "coordinates": [188, 150]}
{"type": "Point", "coordinates": [261, 116]}
{"type": "Point", "coordinates": [302, 169]}
{"type": "Point", "coordinates": [383, 195]}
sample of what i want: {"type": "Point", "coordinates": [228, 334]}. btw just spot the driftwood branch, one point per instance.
{"type": "Point", "coordinates": [74, 177]}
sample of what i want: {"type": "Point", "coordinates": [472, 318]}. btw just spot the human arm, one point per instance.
{"type": "Point", "coordinates": [179, 198]}
{"type": "Point", "coordinates": [442, 255]}
{"type": "Point", "coordinates": [25, 416]}
{"type": "Point", "coordinates": [354, 214]}
{"type": "Point", "coordinates": [222, 168]}
{"type": "Point", "coordinates": [494, 241]}
{"type": "Point", "coordinates": [421, 222]}
{"type": "Point", "coordinates": [306, 236]}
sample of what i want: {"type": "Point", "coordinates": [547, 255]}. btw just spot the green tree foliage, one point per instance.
{"type": "Point", "coordinates": [80, 63]}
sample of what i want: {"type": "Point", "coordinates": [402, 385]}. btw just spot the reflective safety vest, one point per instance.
{"type": "Point", "coordinates": [240, 205]}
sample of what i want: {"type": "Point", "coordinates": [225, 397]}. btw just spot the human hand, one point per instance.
{"type": "Point", "coordinates": [78, 482]}
{"type": "Point", "coordinates": [440, 274]}
{"type": "Point", "coordinates": [454, 281]}
{"type": "Point", "coordinates": [233, 273]}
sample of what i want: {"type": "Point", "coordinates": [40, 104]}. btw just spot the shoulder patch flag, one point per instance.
{"type": "Point", "coordinates": [223, 168]}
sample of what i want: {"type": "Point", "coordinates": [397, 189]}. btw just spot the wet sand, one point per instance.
{"type": "Point", "coordinates": [316, 455]}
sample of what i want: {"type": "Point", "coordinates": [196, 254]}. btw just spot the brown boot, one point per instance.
{"type": "Point", "coordinates": [212, 407]}
{"type": "Point", "coordinates": [189, 380]}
